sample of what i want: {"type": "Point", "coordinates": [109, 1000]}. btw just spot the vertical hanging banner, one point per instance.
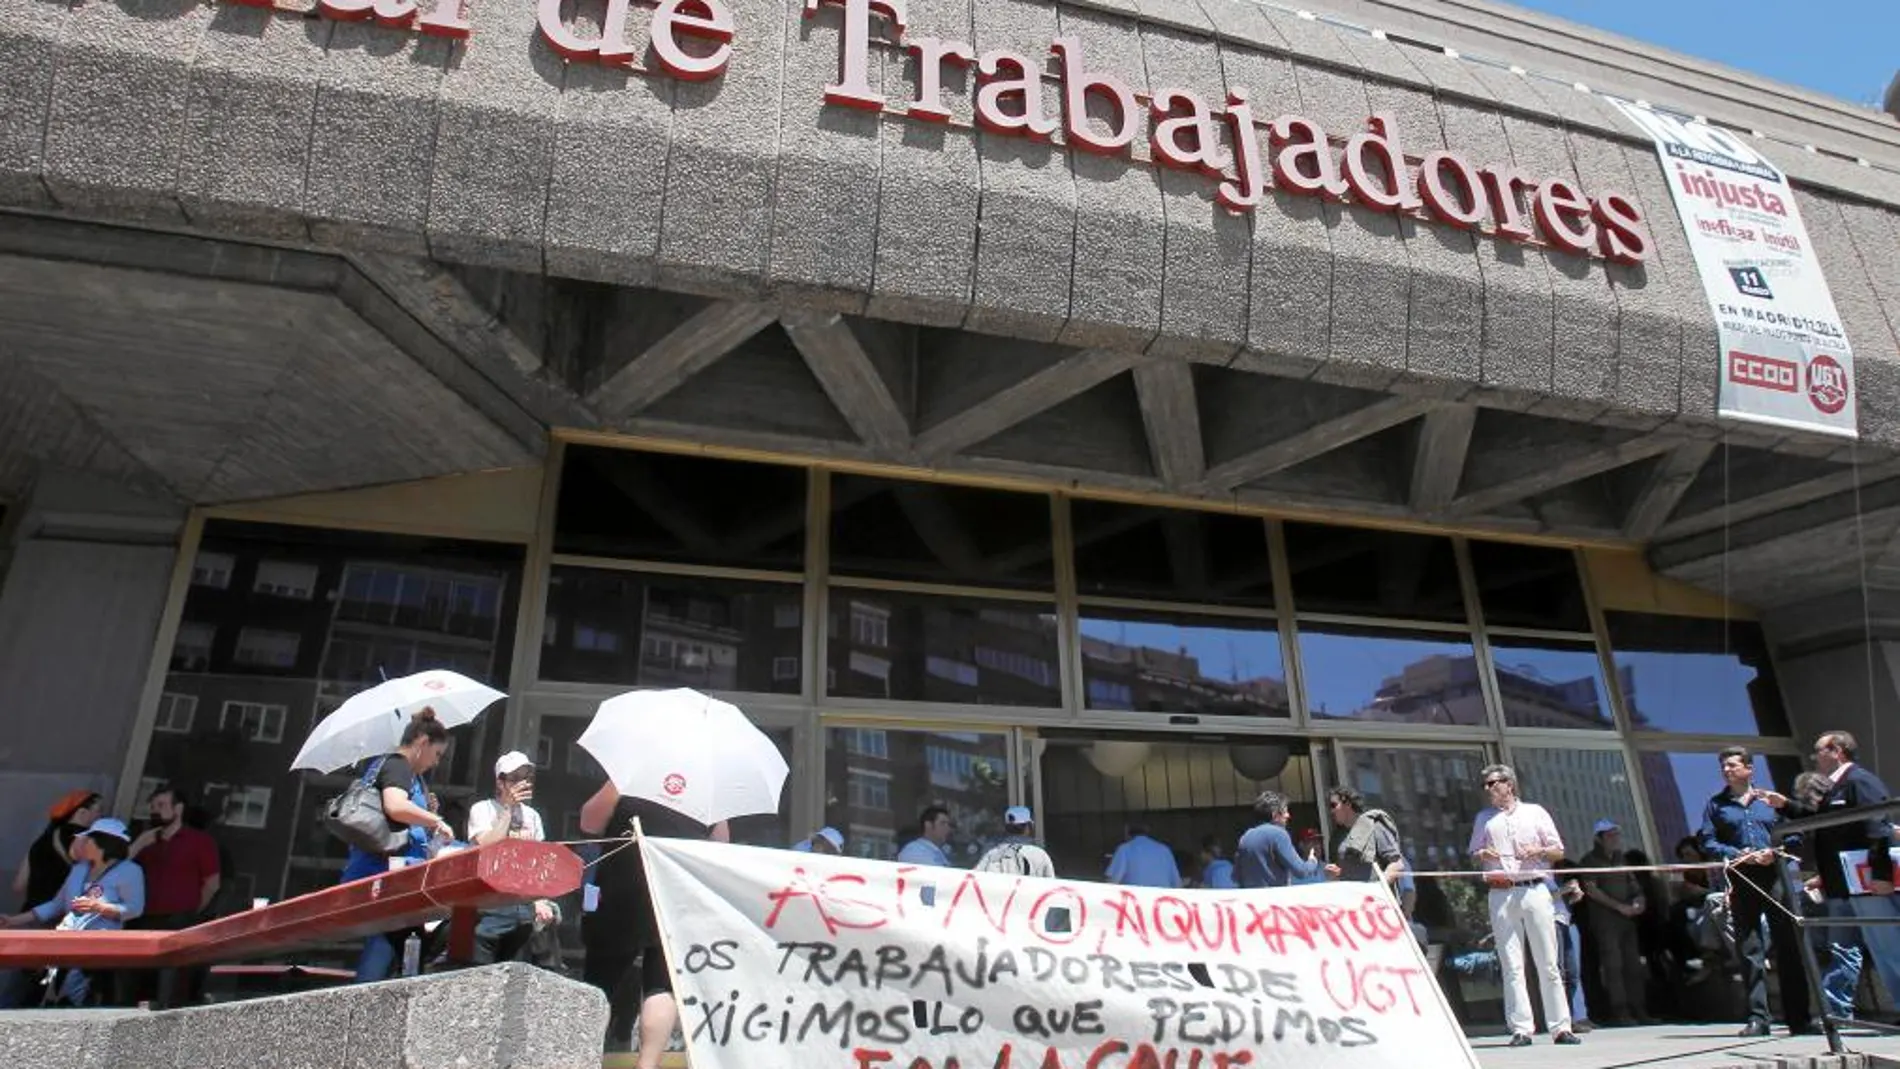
{"type": "Point", "coordinates": [1785, 358]}
{"type": "Point", "coordinates": [806, 961]}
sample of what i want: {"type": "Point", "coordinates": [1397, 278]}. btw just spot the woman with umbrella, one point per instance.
{"type": "Point", "coordinates": [682, 764]}
{"type": "Point", "coordinates": [398, 779]}
{"type": "Point", "coordinates": [401, 726]}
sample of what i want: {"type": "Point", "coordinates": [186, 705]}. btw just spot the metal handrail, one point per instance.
{"type": "Point", "coordinates": [1781, 833]}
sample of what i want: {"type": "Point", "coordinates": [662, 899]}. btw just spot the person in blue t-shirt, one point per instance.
{"type": "Point", "coordinates": [398, 778]}
{"type": "Point", "coordinates": [1266, 857]}
{"type": "Point", "coordinates": [934, 827]}
{"type": "Point", "coordinates": [1141, 861]}
{"type": "Point", "coordinates": [1216, 871]}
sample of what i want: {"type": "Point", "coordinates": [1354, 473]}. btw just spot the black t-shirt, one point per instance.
{"type": "Point", "coordinates": [623, 919]}
{"type": "Point", "coordinates": [395, 772]}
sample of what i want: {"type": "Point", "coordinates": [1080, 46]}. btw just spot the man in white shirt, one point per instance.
{"type": "Point", "coordinates": [501, 933]}
{"type": "Point", "coordinates": [1018, 853]}
{"type": "Point", "coordinates": [933, 831]}
{"type": "Point", "coordinates": [1515, 842]}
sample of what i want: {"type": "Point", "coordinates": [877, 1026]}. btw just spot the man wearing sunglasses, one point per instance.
{"type": "Point", "coordinates": [1515, 842]}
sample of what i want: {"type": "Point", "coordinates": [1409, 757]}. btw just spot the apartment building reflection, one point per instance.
{"type": "Point", "coordinates": [273, 639]}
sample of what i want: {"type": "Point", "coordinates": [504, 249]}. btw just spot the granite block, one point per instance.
{"type": "Point", "coordinates": [1121, 235]}
{"type": "Point", "coordinates": [247, 122]}
{"type": "Point", "coordinates": [1289, 309]}
{"type": "Point", "coordinates": [1025, 251]}
{"type": "Point", "coordinates": [716, 226]}
{"type": "Point", "coordinates": [29, 37]}
{"type": "Point", "coordinates": [372, 142]}
{"type": "Point", "coordinates": [607, 187]}
{"type": "Point", "coordinates": [1205, 288]}
{"type": "Point", "coordinates": [929, 194]}
{"type": "Point", "coordinates": [494, 144]}
{"type": "Point", "coordinates": [115, 130]}
{"type": "Point", "coordinates": [824, 226]}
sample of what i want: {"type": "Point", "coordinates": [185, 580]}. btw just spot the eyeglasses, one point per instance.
{"type": "Point", "coordinates": [1490, 783]}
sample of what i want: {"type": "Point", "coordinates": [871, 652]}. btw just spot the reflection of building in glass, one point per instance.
{"type": "Point", "coordinates": [662, 631]}
{"type": "Point", "coordinates": [276, 634]}
{"type": "Point", "coordinates": [1580, 787]}
{"type": "Point", "coordinates": [1436, 689]}
{"type": "Point", "coordinates": [879, 781]}
{"type": "Point", "coordinates": [1532, 700]}
{"type": "Point", "coordinates": [1136, 677]}
{"type": "Point", "coordinates": [1665, 799]}
{"type": "Point", "coordinates": [916, 647]}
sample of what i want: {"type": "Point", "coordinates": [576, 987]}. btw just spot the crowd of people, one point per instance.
{"type": "Point", "coordinates": [1607, 928]}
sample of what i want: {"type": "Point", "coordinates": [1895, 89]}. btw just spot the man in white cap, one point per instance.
{"type": "Point", "coordinates": [501, 933]}
{"type": "Point", "coordinates": [826, 840]}
{"type": "Point", "coordinates": [1615, 901]}
{"type": "Point", "coordinates": [1017, 852]}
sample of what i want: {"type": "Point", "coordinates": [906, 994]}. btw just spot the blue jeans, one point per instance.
{"type": "Point", "coordinates": [1570, 946]}
{"type": "Point", "coordinates": [377, 960]}
{"type": "Point", "coordinates": [1882, 942]}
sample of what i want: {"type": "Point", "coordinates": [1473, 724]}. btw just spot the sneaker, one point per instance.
{"type": "Point", "coordinates": [1566, 1039]}
{"type": "Point", "coordinates": [1519, 1040]}
{"type": "Point", "coordinates": [1582, 1027]}
{"type": "Point", "coordinates": [1755, 1030]}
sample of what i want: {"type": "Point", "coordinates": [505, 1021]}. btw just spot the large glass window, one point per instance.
{"type": "Point", "coordinates": [637, 629]}
{"type": "Point", "coordinates": [685, 509]}
{"type": "Point", "coordinates": [1551, 683]}
{"type": "Point", "coordinates": [1699, 676]}
{"type": "Point", "coordinates": [939, 533]}
{"type": "Point", "coordinates": [1094, 787]}
{"type": "Point", "coordinates": [1681, 782]}
{"type": "Point", "coordinates": [1529, 586]}
{"type": "Point", "coordinates": [923, 647]}
{"type": "Point", "coordinates": [1168, 662]}
{"type": "Point", "coordinates": [1580, 787]}
{"type": "Point", "coordinates": [1434, 796]}
{"type": "Point", "coordinates": [1381, 675]}
{"type": "Point", "coordinates": [1352, 571]}
{"type": "Point", "coordinates": [267, 647]}
{"type": "Point", "coordinates": [875, 794]}
{"type": "Point", "coordinates": [1134, 551]}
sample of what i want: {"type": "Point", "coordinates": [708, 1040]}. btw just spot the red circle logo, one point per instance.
{"type": "Point", "coordinates": [1827, 384]}
{"type": "Point", "coordinates": [674, 785]}
{"type": "Point", "coordinates": [436, 684]}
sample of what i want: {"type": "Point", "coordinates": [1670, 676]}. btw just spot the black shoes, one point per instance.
{"type": "Point", "coordinates": [1519, 1040]}
{"type": "Point", "coordinates": [1566, 1039]}
{"type": "Point", "coordinates": [1755, 1030]}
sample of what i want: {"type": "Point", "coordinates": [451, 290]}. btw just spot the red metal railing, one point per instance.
{"type": "Point", "coordinates": [458, 884]}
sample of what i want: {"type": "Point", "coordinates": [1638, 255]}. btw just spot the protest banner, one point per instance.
{"type": "Point", "coordinates": [1785, 357]}
{"type": "Point", "coordinates": [819, 962]}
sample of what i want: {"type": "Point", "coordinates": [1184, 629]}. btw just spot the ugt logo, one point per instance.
{"type": "Point", "coordinates": [1751, 282]}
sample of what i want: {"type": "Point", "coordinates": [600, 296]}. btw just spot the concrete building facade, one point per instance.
{"type": "Point", "coordinates": [1109, 377]}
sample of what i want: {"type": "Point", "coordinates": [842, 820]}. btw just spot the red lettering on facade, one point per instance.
{"type": "Point", "coordinates": [853, 87]}
{"type": "Point", "coordinates": [1450, 191]}
{"type": "Point", "coordinates": [1009, 96]}
{"type": "Point", "coordinates": [1189, 141]}
{"type": "Point", "coordinates": [1078, 86]}
{"type": "Point", "coordinates": [1386, 188]}
{"type": "Point", "coordinates": [1564, 216]}
{"type": "Point", "coordinates": [931, 54]}
{"type": "Point", "coordinates": [702, 20]}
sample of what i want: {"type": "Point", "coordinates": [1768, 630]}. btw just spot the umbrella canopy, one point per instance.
{"type": "Point", "coordinates": [695, 755]}
{"type": "Point", "coordinates": [370, 724]}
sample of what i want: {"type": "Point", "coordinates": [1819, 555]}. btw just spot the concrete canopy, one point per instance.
{"type": "Point", "coordinates": [529, 244]}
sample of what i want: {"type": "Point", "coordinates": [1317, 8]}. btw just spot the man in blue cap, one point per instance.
{"type": "Point", "coordinates": [1615, 901]}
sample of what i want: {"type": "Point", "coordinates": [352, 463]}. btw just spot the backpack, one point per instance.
{"type": "Point", "coordinates": [1004, 857]}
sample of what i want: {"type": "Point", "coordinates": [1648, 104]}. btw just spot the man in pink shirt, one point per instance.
{"type": "Point", "coordinates": [1515, 842]}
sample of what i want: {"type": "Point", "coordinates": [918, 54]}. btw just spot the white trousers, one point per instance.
{"type": "Point", "coordinates": [1518, 916]}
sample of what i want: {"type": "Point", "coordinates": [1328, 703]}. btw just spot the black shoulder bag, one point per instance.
{"type": "Point", "coordinates": [356, 816]}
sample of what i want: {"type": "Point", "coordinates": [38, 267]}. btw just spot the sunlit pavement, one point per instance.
{"type": "Point", "coordinates": [1698, 1046]}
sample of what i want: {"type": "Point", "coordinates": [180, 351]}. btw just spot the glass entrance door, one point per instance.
{"type": "Point", "coordinates": [1184, 789]}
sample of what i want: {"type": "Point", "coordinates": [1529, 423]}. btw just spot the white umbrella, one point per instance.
{"type": "Point", "coordinates": [370, 724]}
{"type": "Point", "coordinates": [695, 755]}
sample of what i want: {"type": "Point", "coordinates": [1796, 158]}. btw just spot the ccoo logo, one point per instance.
{"type": "Point", "coordinates": [1827, 384]}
